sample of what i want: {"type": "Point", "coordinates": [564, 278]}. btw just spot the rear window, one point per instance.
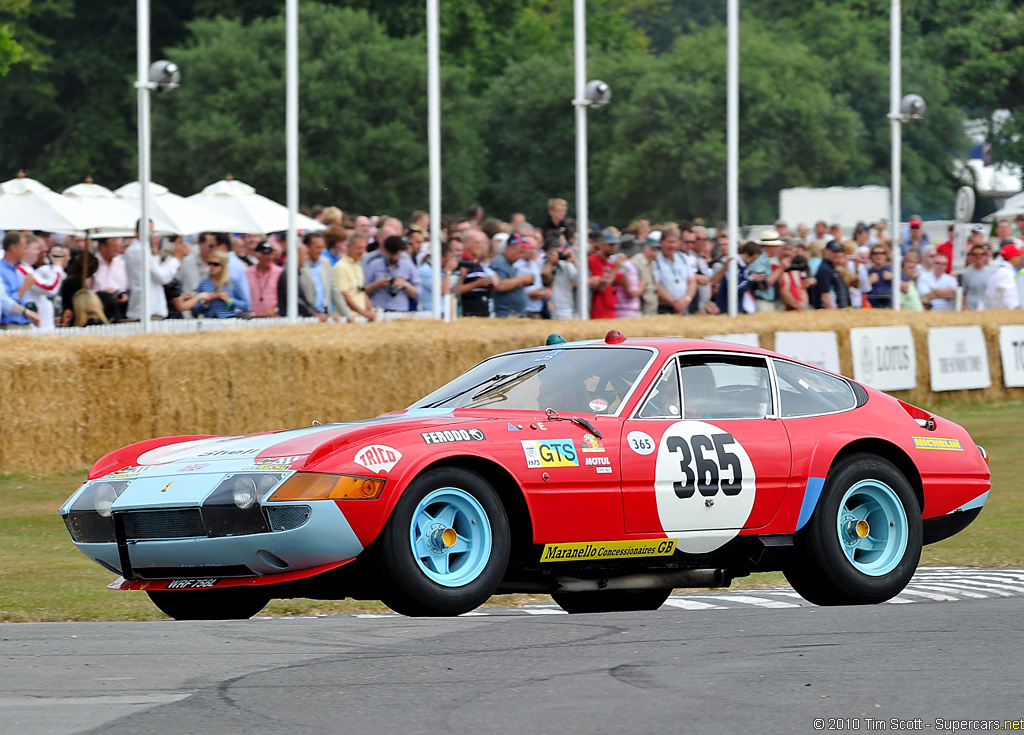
{"type": "Point", "coordinates": [805, 391]}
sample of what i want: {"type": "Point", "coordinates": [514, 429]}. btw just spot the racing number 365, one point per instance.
{"type": "Point", "coordinates": [702, 472]}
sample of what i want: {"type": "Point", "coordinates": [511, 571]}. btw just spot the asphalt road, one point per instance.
{"type": "Point", "coordinates": [722, 670]}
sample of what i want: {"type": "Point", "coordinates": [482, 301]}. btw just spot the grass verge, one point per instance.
{"type": "Point", "coordinates": [44, 578]}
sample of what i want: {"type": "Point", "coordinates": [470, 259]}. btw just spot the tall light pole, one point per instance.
{"type": "Point", "coordinates": [732, 148]}
{"type": "Point", "coordinates": [434, 146]}
{"type": "Point", "coordinates": [291, 125]}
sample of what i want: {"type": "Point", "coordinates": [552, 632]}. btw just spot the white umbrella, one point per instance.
{"type": "Point", "coordinates": [250, 211]}
{"type": "Point", "coordinates": [118, 216]}
{"type": "Point", "coordinates": [1011, 208]}
{"type": "Point", "coordinates": [172, 213]}
{"type": "Point", "coordinates": [26, 204]}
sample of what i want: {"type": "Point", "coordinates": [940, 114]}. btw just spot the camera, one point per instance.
{"type": "Point", "coordinates": [467, 264]}
{"type": "Point", "coordinates": [392, 288]}
{"type": "Point", "coordinates": [563, 255]}
{"type": "Point", "coordinates": [31, 306]}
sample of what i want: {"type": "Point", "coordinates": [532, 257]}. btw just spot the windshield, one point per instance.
{"type": "Point", "coordinates": [577, 380]}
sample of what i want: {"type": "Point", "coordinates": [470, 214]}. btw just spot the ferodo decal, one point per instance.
{"type": "Point", "coordinates": [640, 442]}
{"type": "Point", "coordinates": [453, 435]}
{"type": "Point", "coordinates": [704, 481]}
{"type": "Point", "coordinates": [378, 457]}
{"type": "Point", "coordinates": [550, 453]}
{"type": "Point", "coordinates": [931, 442]}
{"type": "Point", "coordinates": [608, 550]}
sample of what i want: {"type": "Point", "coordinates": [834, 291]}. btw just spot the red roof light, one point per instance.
{"type": "Point", "coordinates": [614, 337]}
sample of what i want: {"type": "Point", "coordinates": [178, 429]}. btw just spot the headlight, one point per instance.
{"type": "Point", "coordinates": [89, 519]}
{"type": "Point", "coordinates": [233, 508]}
{"type": "Point", "coordinates": [317, 486]}
{"type": "Point", "coordinates": [244, 492]}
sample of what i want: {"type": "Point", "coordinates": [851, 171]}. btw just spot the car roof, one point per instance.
{"type": "Point", "coordinates": [663, 344]}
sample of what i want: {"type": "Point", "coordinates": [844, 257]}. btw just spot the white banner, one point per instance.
{"type": "Point", "coordinates": [1011, 349]}
{"type": "Point", "coordinates": [884, 357]}
{"type": "Point", "coordinates": [816, 348]}
{"type": "Point", "coordinates": [958, 358]}
{"type": "Point", "coordinates": [747, 339]}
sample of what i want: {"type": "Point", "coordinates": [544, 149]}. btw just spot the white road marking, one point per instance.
{"type": "Point", "coordinates": [750, 600]}
{"type": "Point", "coordinates": [683, 603]}
{"type": "Point", "coordinates": [937, 596]}
{"type": "Point", "coordinates": [951, 588]}
{"type": "Point", "coordinates": [543, 611]}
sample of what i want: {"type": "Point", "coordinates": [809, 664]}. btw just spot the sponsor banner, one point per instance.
{"type": "Point", "coordinates": [1011, 349]}
{"type": "Point", "coordinates": [958, 358]}
{"type": "Point", "coordinates": [378, 457]}
{"type": "Point", "coordinates": [884, 357]}
{"type": "Point", "coordinates": [453, 435]}
{"type": "Point", "coordinates": [608, 550]}
{"type": "Point", "coordinates": [816, 348]}
{"type": "Point", "coordinates": [748, 339]}
{"type": "Point", "coordinates": [931, 442]}
{"type": "Point", "coordinates": [550, 453]}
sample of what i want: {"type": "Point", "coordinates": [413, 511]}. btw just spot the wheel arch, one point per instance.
{"type": "Point", "coordinates": [519, 519]}
{"type": "Point", "coordinates": [888, 451]}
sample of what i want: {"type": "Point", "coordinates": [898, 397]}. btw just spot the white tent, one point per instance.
{"type": "Point", "coordinates": [118, 216]}
{"type": "Point", "coordinates": [172, 213]}
{"type": "Point", "coordinates": [1011, 208]}
{"type": "Point", "coordinates": [251, 212]}
{"type": "Point", "coordinates": [26, 204]}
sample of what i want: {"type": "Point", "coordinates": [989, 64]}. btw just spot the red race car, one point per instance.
{"type": "Point", "coordinates": [605, 473]}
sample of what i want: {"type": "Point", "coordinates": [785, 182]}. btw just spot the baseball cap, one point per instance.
{"type": "Point", "coordinates": [654, 239]}
{"type": "Point", "coordinates": [915, 223]}
{"type": "Point", "coordinates": [781, 223]}
{"type": "Point", "coordinates": [264, 247]}
{"type": "Point", "coordinates": [863, 228]}
{"type": "Point", "coordinates": [1010, 250]}
{"type": "Point", "coordinates": [835, 247]}
{"type": "Point", "coordinates": [978, 228]}
{"type": "Point", "coordinates": [610, 238]}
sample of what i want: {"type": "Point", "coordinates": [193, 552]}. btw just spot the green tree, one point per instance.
{"type": "Point", "coordinates": [362, 121]}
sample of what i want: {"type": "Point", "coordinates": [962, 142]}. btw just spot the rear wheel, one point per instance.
{"type": "Point", "coordinates": [446, 546]}
{"type": "Point", "coordinates": [863, 541]}
{"type": "Point", "coordinates": [234, 603]}
{"type": "Point", "coordinates": [611, 600]}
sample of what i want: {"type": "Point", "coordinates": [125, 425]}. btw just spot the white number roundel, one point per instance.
{"type": "Point", "coordinates": [704, 485]}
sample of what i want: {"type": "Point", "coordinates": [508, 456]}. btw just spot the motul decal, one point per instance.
{"type": "Point", "coordinates": [378, 457]}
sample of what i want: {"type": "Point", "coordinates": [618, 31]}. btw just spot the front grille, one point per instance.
{"type": "Point", "coordinates": [234, 570]}
{"type": "Point", "coordinates": [163, 524]}
{"type": "Point", "coordinates": [287, 517]}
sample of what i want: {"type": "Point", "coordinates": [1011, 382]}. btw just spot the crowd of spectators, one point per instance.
{"type": "Point", "coordinates": [359, 267]}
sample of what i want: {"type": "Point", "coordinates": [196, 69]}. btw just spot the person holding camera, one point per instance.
{"type": "Point", "coordinates": [392, 280]}
{"type": "Point", "coordinates": [16, 311]}
{"type": "Point", "coordinates": [475, 283]}
{"type": "Point", "coordinates": [560, 272]}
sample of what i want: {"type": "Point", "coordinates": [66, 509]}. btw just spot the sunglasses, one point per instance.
{"type": "Point", "coordinates": [214, 263]}
{"type": "Point", "coordinates": [878, 252]}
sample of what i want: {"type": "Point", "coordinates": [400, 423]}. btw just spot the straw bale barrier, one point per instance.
{"type": "Point", "coordinates": [66, 402]}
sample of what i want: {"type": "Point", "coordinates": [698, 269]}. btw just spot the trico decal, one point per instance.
{"type": "Point", "coordinates": [598, 461]}
{"type": "Point", "coordinates": [191, 584]}
{"type": "Point", "coordinates": [194, 467]}
{"type": "Point", "coordinates": [378, 457]}
{"type": "Point", "coordinates": [550, 453]}
{"type": "Point", "coordinates": [931, 442]}
{"type": "Point", "coordinates": [590, 443]}
{"type": "Point", "coordinates": [704, 479]}
{"type": "Point", "coordinates": [453, 435]}
{"type": "Point", "coordinates": [608, 550]}
{"type": "Point", "coordinates": [640, 442]}
{"type": "Point", "coordinates": [598, 405]}
{"type": "Point", "coordinates": [229, 452]}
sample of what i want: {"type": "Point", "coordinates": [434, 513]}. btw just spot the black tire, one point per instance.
{"type": "Point", "coordinates": [823, 573]}
{"type": "Point", "coordinates": [407, 586]}
{"type": "Point", "coordinates": [610, 600]}
{"type": "Point", "coordinates": [233, 603]}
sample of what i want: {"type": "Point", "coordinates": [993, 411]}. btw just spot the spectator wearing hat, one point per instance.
{"type": "Point", "coordinates": [605, 275]}
{"type": "Point", "coordinates": [936, 286]}
{"type": "Point", "coordinates": [880, 278]}
{"type": "Point", "coordinates": [510, 287]}
{"type": "Point", "coordinates": [974, 279]}
{"type": "Point", "coordinates": [644, 262]}
{"type": "Point", "coordinates": [829, 290]}
{"type": "Point", "coordinates": [766, 271]}
{"type": "Point", "coordinates": [782, 228]}
{"type": "Point", "coordinates": [676, 283]}
{"type": "Point", "coordinates": [1002, 291]}
{"type": "Point", "coordinates": [914, 236]}
{"type": "Point", "coordinates": [392, 280]}
{"type": "Point", "coordinates": [537, 294]}
{"type": "Point", "coordinates": [263, 281]}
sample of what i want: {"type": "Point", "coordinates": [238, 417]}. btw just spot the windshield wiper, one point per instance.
{"type": "Point", "coordinates": [552, 415]}
{"type": "Point", "coordinates": [507, 381]}
{"type": "Point", "coordinates": [494, 378]}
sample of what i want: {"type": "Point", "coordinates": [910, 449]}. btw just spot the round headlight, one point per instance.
{"type": "Point", "coordinates": [244, 493]}
{"type": "Point", "coordinates": [103, 497]}
{"type": "Point", "coordinates": [267, 482]}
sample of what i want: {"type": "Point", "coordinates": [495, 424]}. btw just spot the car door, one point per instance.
{"type": "Point", "coordinates": [705, 455]}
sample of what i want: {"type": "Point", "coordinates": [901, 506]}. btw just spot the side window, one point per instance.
{"type": "Point", "coordinates": [804, 391]}
{"type": "Point", "coordinates": [663, 402]}
{"type": "Point", "coordinates": [725, 387]}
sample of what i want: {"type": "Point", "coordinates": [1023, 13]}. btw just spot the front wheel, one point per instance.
{"type": "Point", "coordinates": [446, 546]}
{"type": "Point", "coordinates": [234, 603]}
{"type": "Point", "coordinates": [863, 542]}
{"type": "Point", "coordinates": [610, 600]}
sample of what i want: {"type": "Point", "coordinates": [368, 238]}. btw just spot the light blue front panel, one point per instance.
{"type": "Point", "coordinates": [978, 502]}
{"type": "Point", "coordinates": [325, 538]}
{"type": "Point", "coordinates": [106, 553]}
{"type": "Point", "coordinates": [811, 495]}
{"type": "Point", "coordinates": [171, 490]}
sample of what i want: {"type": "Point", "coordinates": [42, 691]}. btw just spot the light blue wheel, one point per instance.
{"type": "Point", "coordinates": [872, 527]}
{"type": "Point", "coordinates": [451, 537]}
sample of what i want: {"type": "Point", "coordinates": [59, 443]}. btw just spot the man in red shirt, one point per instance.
{"type": "Point", "coordinates": [946, 249]}
{"type": "Point", "coordinates": [604, 274]}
